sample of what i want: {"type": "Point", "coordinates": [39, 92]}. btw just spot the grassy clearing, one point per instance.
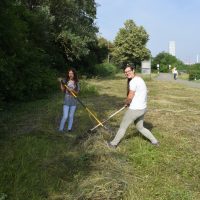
{"type": "Point", "coordinates": [39, 163]}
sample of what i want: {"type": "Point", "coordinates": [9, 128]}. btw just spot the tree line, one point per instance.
{"type": "Point", "coordinates": [39, 39]}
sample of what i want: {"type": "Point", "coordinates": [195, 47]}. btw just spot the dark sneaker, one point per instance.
{"type": "Point", "coordinates": [69, 130]}
{"type": "Point", "coordinates": [111, 146]}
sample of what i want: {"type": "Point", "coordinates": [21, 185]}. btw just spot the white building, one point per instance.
{"type": "Point", "coordinates": [172, 48]}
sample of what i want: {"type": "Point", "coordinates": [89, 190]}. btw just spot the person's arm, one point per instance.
{"type": "Point", "coordinates": [129, 98]}
{"type": "Point", "coordinates": [77, 89]}
{"type": "Point", "coordinates": [74, 91]}
{"type": "Point", "coordinates": [62, 87]}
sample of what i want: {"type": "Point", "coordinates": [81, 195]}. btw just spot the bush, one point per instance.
{"type": "Point", "coordinates": [105, 69]}
{"type": "Point", "coordinates": [194, 72]}
{"type": "Point", "coordinates": [27, 79]}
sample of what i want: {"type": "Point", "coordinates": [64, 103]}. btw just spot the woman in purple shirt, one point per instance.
{"type": "Point", "coordinates": [70, 102]}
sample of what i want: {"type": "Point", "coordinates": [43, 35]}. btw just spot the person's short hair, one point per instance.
{"type": "Point", "coordinates": [129, 65]}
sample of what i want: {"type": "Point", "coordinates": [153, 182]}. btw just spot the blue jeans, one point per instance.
{"type": "Point", "coordinates": [67, 111]}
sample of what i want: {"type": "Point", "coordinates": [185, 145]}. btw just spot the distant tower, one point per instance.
{"type": "Point", "coordinates": [172, 48]}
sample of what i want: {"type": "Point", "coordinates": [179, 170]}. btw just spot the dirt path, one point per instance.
{"type": "Point", "coordinates": [169, 77]}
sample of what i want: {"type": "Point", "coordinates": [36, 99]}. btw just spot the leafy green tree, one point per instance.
{"type": "Point", "coordinates": [164, 60]}
{"type": "Point", "coordinates": [74, 26]}
{"type": "Point", "coordinates": [130, 44]}
{"type": "Point", "coordinates": [24, 64]}
{"type": "Point", "coordinates": [103, 49]}
{"type": "Point", "coordinates": [39, 37]}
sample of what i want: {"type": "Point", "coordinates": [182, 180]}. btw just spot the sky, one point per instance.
{"type": "Point", "coordinates": [164, 21]}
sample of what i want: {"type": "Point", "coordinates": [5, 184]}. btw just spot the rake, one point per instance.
{"type": "Point", "coordinates": [103, 122]}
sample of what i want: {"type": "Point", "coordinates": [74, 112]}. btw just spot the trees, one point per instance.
{"type": "Point", "coordinates": [164, 60]}
{"type": "Point", "coordinates": [25, 63]}
{"type": "Point", "coordinates": [129, 44]}
{"type": "Point", "coordinates": [103, 49]}
{"type": "Point", "coordinates": [38, 38]}
{"type": "Point", "coordinates": [74, 28]}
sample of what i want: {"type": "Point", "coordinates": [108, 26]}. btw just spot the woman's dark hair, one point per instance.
{"type": "Point", "coordinates": [128, 81]}
{"type": "Point", "coordinates": [131, 66]}
{"type": "Point", "coordinates": [75, 75]}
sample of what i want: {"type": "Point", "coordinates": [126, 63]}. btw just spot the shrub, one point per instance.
{"type": "Point", "coordinates": [105, 69]}
{"type": "Point", "coordinates": [194, 72]}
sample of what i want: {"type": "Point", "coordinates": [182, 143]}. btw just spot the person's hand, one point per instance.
{"type": "Point", "coordinates": [59, 79]}
{"type": "Point", "coordinates": [62, 82]}
{"type": "Point", "coordinates": [128, 102]}
{"type": "Point", "coordinates": [68, 89]}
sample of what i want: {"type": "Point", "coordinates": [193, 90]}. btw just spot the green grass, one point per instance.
{"type": "Point", "coordinates": [39, 163]}
{"type": "Point", "coordinates": [185, 76]}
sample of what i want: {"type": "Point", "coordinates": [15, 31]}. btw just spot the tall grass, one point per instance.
{"type": "Point", "coordinates": [37, 162]}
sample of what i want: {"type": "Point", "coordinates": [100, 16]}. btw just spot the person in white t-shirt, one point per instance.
{"type": "Point", "coordinates": [175, 73]}
{"type": "Point", "coordinates": [136, 102]}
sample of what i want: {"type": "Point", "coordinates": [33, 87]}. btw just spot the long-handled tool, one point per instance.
{"type": "Point", "coordinates": [99, 122]}
{"type": "Point", "coordinates": [92, 129]}
{"type": "Point", "coordinates": [86, 134]}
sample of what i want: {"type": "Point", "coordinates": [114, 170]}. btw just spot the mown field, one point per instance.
{"type": "Point", "coordinates": [38, 162]}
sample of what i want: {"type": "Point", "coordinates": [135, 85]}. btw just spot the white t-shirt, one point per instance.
{"type": "Point", "coordinates": [139, 101]}
{"type": "Point", "coordinates": [175, 71]}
